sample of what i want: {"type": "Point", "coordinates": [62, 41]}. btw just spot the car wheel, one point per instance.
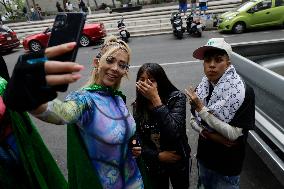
{"type": "Point", "coordinates": [239, 27]}
{"type": "Point", "coordinates": [84, 41]}
{"type": "Point", "coordinates": [35, 46]}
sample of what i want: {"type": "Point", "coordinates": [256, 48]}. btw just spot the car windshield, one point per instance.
{"type": "Point", "coordinates": [245, 6]}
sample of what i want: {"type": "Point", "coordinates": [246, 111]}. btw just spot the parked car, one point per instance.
{"type": "Point", "coordinates": [8, 39]}
{"type": "Point", "coordinates": [92, 32]}
{"type": "Point", "coordinates": [253, 14]}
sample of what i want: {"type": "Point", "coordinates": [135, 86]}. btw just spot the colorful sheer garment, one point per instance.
{"type": "Point", "coordinates": [105, 125]}
{"type": "Point", "coordinates": [36, 169]}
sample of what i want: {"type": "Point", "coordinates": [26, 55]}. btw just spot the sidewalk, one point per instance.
{"type": "Point", "coordinates": [150, 20]}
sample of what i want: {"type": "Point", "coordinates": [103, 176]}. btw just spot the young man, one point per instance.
{"type": "Point", "coordinates": [222, 112]}
{"type": "Point", "coordinates": [203, 6]}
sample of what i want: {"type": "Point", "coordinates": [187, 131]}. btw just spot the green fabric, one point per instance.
{"type": "Point", "coordinates": [97, 87]}
{"type": "Point", "coordinates": [81, 173]}
{"type": "Point", "coordinates": [40, 171]}
{"type": "Point", "coordinates": [3, 84]}
{"type": "Point", "coordinates": [143, 171]}
{"type": "Point", "coordinates": [38, 163]}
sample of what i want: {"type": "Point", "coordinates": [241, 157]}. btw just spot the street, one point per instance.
{"type": "Point", "coordinates": [183, 70]}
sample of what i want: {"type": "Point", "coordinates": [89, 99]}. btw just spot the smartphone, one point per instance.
{"type": "Point", "coordinates": [67, 27]}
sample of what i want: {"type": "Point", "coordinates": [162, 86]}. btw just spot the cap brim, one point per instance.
{"type": "Point", "coordinates": [199, 53]}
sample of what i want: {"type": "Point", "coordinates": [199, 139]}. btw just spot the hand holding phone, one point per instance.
{"type": "Point", "coordinates": [67, 27]}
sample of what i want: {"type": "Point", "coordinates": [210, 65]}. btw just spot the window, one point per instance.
{"type": "Point", "coordinates": [279, 3]}
{"type": "Point", "coordinates": [266, 4]}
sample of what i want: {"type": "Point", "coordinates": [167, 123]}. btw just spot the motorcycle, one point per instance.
{"type": "Point", "coordinates": [122, 31]}
{"type": "Point", "coordinates": [176, 22]}
{"type": "Point", "coordinates": [193, 26]}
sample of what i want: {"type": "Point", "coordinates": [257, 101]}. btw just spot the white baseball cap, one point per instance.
{"type": "Point", "coordinates": [213, 43]}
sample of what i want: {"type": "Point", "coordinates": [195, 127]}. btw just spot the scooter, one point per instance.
{"type": "Point", "coordinates": [193, 26]}
{"type": "Point", "coordinates": [176, 22]}
{"type": "Point", "coordinates": [122, 31]}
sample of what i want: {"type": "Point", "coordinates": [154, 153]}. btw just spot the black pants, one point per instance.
{"type": "Point", "coordinates": [177, 173]}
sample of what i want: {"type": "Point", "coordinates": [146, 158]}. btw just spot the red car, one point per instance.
{"type": "Point", "coordinates": [8, 39]}
{"type": "Point", "coordinates": [92, 32]}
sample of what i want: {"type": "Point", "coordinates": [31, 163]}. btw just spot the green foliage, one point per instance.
{"type": "Point", "coordinates": [12, 7]}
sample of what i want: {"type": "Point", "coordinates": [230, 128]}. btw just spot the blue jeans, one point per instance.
{"type": "Point", "coordinates": [209, 179]}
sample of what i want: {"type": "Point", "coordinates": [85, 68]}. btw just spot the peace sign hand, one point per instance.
{"type": "Point", "coordinates": [194, 99]}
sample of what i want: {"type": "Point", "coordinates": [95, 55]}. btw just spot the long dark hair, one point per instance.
{"type": "Point", "coordinates": [165, 87]}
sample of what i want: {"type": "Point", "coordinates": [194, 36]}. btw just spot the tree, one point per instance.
{"type": "Point", "coordinates": [12, 8]}
{"type": "Point", "coordinates": [97, 7]}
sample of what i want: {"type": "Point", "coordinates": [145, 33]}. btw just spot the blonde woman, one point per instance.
{"type": "Point", "coordinates": [99, 125]}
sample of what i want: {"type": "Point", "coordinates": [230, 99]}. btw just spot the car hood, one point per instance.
{"type": "Point", "coordinates": [33, 36]}
{"type": "Point", "coordinates": [229, 14]}
{"type": "Point", "coordinates": [92, 25]}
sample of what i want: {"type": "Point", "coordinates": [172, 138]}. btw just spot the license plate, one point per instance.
{"type": "Point", "coordinates": [9, 38]}
{"type": "Point", "coordinates": [179, 28]}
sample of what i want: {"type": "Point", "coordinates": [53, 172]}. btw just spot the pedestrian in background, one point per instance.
{"type": "Point", "coordinates": [183, 6]}
{"type": "Point", "coordinates": [99, 125]}
{"type": "Point", "coordinates": [193, 6]}
{"type": "Point", "coordinates": [203, 6]}
{"type": "Point", "coordinates": [160, 114]}
{"type": "Point", "coordinates": [39, 12]}
{"type": "Point", "coordinates": [69, 6]}
{"type": "Point", "coordinates": [58, 6]}
{"type": "Point", "coordinates": [222, 113]}
{"type": "Point", "coordinates": [33, 14]}
{"type": "Point", "coordinates": [26, 14]}
{"type": "Point", "coordinates": [82, 6]}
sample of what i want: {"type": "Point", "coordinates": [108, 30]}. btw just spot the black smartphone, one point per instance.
{"type": "Point", "coordinates": [67, 27]}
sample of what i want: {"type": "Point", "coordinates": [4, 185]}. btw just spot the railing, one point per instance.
{"type": "Point", "coordinates": [268, 138]}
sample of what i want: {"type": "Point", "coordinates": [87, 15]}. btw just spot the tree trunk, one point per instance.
{"type": "Point", "coordinates": [96, 3]}
{"type": "Point", "coordinates": [113, 3]}
{"type": "Point", "coordinates": [34, 3]}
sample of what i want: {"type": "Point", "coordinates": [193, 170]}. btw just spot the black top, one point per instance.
{"type": "Point", "coordinates": [228, 160]}
{"type": "Point", "coordinates": [164, 130]}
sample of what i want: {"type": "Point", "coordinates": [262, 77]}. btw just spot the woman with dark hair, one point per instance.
{"type": "Point", "coordinates": [160, 115]}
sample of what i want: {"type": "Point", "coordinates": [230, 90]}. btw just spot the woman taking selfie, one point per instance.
{"type": "Point", "coordinates": [99, 125]}
{"type": "Point", "coordinates": [160, 115]}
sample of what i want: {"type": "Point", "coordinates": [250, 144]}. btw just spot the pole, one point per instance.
{"type": "Point", "coordinates": [28, 6]}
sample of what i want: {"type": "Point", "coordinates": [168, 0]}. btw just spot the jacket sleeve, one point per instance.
{"type": "Point", "coordinates": [149, 153]}
{"type": "Point", "coordinates": [172, 117]}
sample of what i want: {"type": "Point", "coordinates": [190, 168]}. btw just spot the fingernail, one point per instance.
{"type": "Point", "coordinates": [79, 67]}
{"type": "Point", "coordinates": [76, 76]}
{"type": "Point", "coordinates": [71, 45]}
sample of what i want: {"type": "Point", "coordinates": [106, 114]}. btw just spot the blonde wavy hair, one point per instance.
{"type": "Point", "coordinates": [111, 45]}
